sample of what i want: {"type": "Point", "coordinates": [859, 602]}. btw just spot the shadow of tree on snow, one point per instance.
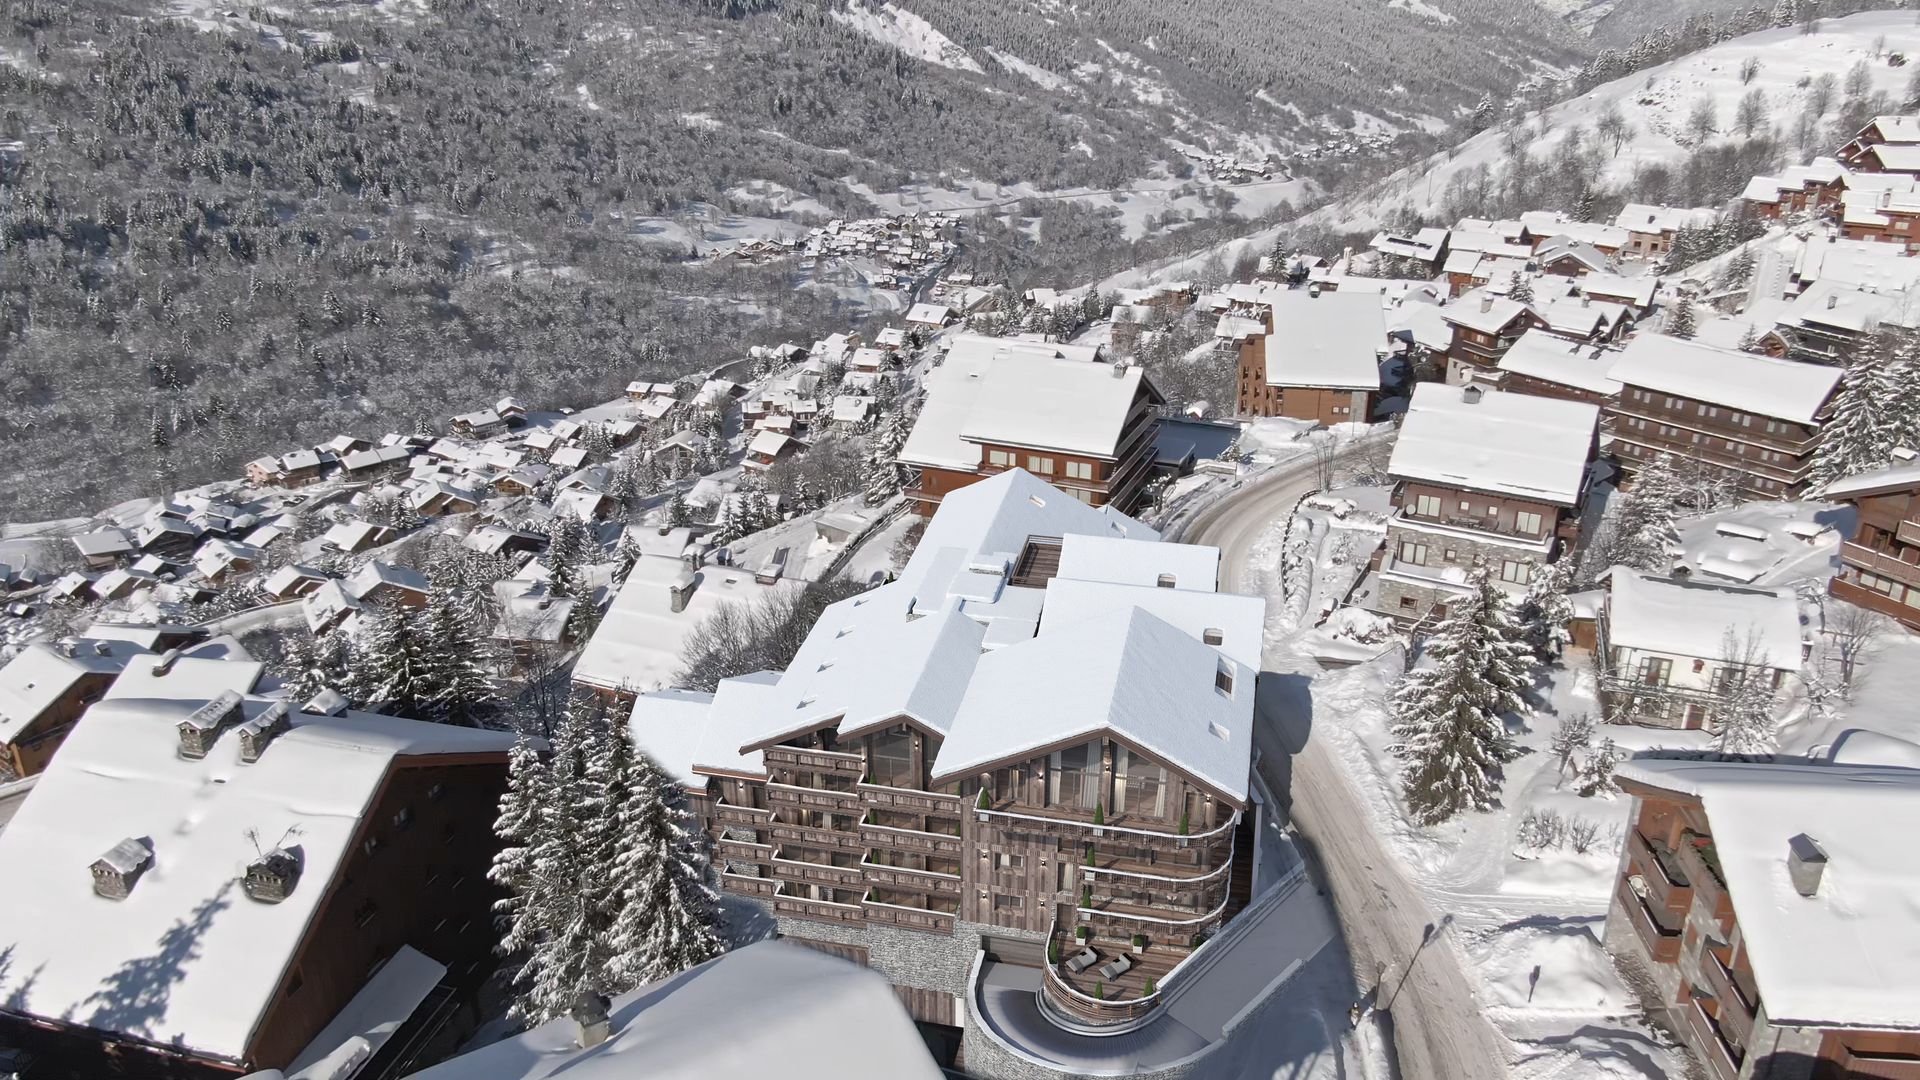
{"type": "Point", "coordinates": [134, 997]}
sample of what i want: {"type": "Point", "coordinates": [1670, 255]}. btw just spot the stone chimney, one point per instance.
{"type": "Point", "coordinates": [1806, 864]}
{"type": "Point", "coordinates": [256, 733]}
{"type": "Point", "coordinates": [200, 730]}
{"type": "Point", "coordinates": [1486, 302]}
{"type": "Point", "coordinates": [272, 877]}
{"type": "Point", "coordinates": [681, 591]}
{"type": "Point", "coordinates": [116, 872]}
{"type": "Point", "coordinates": [1471, 394]}
{"type": "Point", "coordinates": [591, 1022]}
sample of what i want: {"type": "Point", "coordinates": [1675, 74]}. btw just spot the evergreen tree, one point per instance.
{"type": "Point", "coordinates": [1596, 772]}
{"type": "Point", "coordinates": [669, 916]}
{"type": "Point", "coordinates": [393, 668]}
{"type": "Point", "coordinates": [517, 827]}
{"type": "Point", "coordinates": [678, 514]}
{"type": "Point", "coordinates": [1867, 416]}
{"type": "Point", "coordinates": [1544, 611]}
{"type": "Point", "coordinates": [1639, 532]}
{"type": "Point", "coordinates": [1447, 717]}
{"type": "Point", "coordinates": [460, 687]}
{"type": "Point", "coordinates": [1680, 321]}
{"type": "Point", "coordinates": [314, 664]}
{"type": "Point", "coordinates": [1520, 288]}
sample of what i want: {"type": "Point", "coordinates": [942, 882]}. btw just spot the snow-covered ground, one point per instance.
{"type": "Point", "coordinates": [1149, 197]}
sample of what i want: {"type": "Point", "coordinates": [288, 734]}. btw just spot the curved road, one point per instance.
{"type": "Point", "coordinates": [1439, 1029]}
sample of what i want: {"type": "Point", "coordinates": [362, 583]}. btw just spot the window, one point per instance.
{"type": "Point", "coordinates": [1492, 510]}
{"type": "Point", "coordinates": [1451, 556]}
{"type": "Point", "coordinates": [435, 792]}
{"type": "Point", "coordinates": [364, 914]}
{"type": "Point", "coordinates": [1413, 553]}
{"type": "Point", "coordinates": [1038, 464]}
{"type": "Point", "coordinates": [1073, 777]}
{"type": "Point", "coordinates": [1465, 506]}
{"type": "Point", "coordinates": [404, 818]}
{"type": "Point", "coordinates": [1081, 494]}
{"type": "Point", "coordinates": [370, 845]}
{"type": "Point", "coordinates": [1525, 522]}
{"type": "Point", "coordinates": [1655, 671]}
{"type": "Point", "coordinates": [1427, 505]}
{"type": "Point", "coordinates": [1515, 571]}
{"type": "Point", "coordinates": [1139, 785]}
{"type": "Point", "coordinates": [890, 759]}
{"type": "Point", "coordinates": [1166, 581]}
{"type": "Point", "coordinates": [1004, 904]}
{"type": "Point", "coordinates": [1006, 861]}
{"type": "Point", "coordinates": [1079, 470]}
{"type": "Point", "coordinates": [1406, 603]}
{"type": "Point", "coordinates": [1002, 458]}
{"type": "Point", "coordinates": [1223, 679]}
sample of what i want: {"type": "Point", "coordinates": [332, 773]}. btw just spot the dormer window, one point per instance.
{"type": "Point", "coordinates": [1223, 678]}
{"type": "Point", "coordinates": [1212, 636]}
{"type": "Point", "coordinates": [1166, 581]}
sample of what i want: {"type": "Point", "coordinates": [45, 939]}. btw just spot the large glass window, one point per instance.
{"type": "Point", "coordinates": [890, 762]}
{"type": "Point", "coordinates": [1073, 777]}
{"type": "Point", "coordinates": [1139, 785]}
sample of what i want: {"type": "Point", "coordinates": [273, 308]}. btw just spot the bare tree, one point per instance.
{"type": "Point", "coordinates": [1325, 453]}
{"type": "Point", "coordinates": [1855, 634]}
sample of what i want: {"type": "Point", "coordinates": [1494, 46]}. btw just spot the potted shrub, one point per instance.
{"type": "Point", "coordinates": [1100, 991]}
{"type": "Point", "coordinates": [1053, 950]}
{"type": "Point", "coordinates": [985, 801]}
{"type": "Point", "coordinates": [1082, 933]}
{"type": "Point", "coordinates": [1184, 822]}
{"type": "Point", "coordinates": [1089, 856]}
{"type": "Point", "coordinates": [1086, 896]}
{"type": "Point", "coordinates": [1099, 813]}
{"type": "Point", "coordinates": [1139, 943]}
{"type": "Point", "coordinates": [1149, 991]}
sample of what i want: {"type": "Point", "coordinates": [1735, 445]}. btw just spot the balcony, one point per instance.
{"type": "Point", "coordinates": [726, 813]}
{"type": "Point", "coordinates": [747, 885]}
{"type": "Point", "coordinates": [1711, 1045]}
{"type": "Point", "coordinates": [1737, 1009]}
{"type": "Point", "coordinates": [742, 850]}
{"type": "Point", "coordinates": [816, 836]}
{"type": "Point", "coordinates": [1701, 864]}
{"type": "Point", "coordinates": [1661, 943]}
{"type": "Point", "coordinates": [818, 760]}
{"type": "Point", "coordinates": [909, 800]}
{"type": "Point", "coordinates": [841, 802]}
{"type": "Point", "coordinates": [789, 868]}
{"type": "Point", "coordinates": [884, 872]}
{"type": "Point", "coordinates": [1885, 565]}
{"type": "Point", "coordinates": [1087, 997]}
{"type": "Point", "coordinates": [1868, 1066]}
{"type": "Point", "coordinates": [1118, 828]}
{"type": "Point", "coordinates": [844, 909]}
{"type": "Point", "coordinates": [911, 910]}
{"type": "Point", "coordinates": [916, 840]}
{"type": "Point", "coordinates": [1668, 888]}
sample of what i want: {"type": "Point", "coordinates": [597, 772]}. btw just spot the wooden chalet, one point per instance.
{"type": "Point", "coordinates": [1880, 562]}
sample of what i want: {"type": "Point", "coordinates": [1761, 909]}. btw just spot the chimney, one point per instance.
{"type": "Point", "coordinates": [591, 1023]}
{"type": "Point", "coordinates": [272, 877]}
{"type": "Point", "coordinates": [681, 591]}
{"type": "Point", "coordinates": [1586, 301]}
{"type": "Point", "coordinates": [201, 729]}
{"type": "Point", "coordinates": [256, 733]}
{"type": "Point", "coordinates": [1313, 291]}
{"type": "Point", "coordinates": [1806, 864]}
{"type": "Point", "coordinates": [1486, 302]}
{"type": "Point", "coordinates": [116, 872]}
{"type": "Point", "coordinates": [164, 662]}
{"type": "Point", "coordinates": [1471, 394]}
{"type": "Point", "coordinates": [1119, 371]}
{"type": "Point", "coordinates": [1833, 299]}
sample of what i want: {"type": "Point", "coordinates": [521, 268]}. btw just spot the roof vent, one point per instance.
{"type": "Point", "coordinates": [1833, 301]}
{"type": "Point", "coordinates": [1806, 864]}
{"type": "Point", "coordinates": [273, 876]}
{"type": "Point", "coordinates": [116, 872]}
{"type": "Point", "coordinates": [1486, 303]}
{"type": "Point", "coordinates": [256, 733]}
{"type": "Point", "coordinates": [164, 662]}
{"type": "Point", "coordinates": [202, 728]}
{"type": "Point", "coordinates": [1471, 394]}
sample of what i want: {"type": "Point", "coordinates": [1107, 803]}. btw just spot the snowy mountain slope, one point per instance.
{"type": "Point", "coordinates": [1656, 103]}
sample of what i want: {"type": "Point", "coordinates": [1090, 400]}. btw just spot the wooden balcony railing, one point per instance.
{"type": "Point", "coordinates": [800, 870]}
{"type": "Point", "coordinates": [1736, 1012]}
{"type": "Point", "coordinates": [1662, 944]}
{"type": "Point", "coordinates": [726, 813]}
{"type": "Point", "coordinates": [909, 878]}
{"type": "Point", "coordinates": [822, 910]}
{"type": "Point", "coordinates": [1866, 558]}
{"type": "Point", "coordinates": [827, 760]}
{"type": "Point", "coordinates": [912, 915]}
{"type": "Point", "coordinates": [748, 886]}
{"type": "Point", "coordinates": [844, 802]}
{"type": "Point", "coordinates": [893, 798]}
{"type": "Point", "coordinates": [816, 837]}
{"type": "Point", "coordinates": [1713, 1048]}
{"type": "Point", "coordinates": [1696, 855]}
{"type": "Point", "coordinates": [743, 850]}
{"type": "Point", "coordinates": [1865, 1066]}
{"type": "Point", "coordinates": [1667, 885]}
{"type": "Point", "coordinates": [886, 836]}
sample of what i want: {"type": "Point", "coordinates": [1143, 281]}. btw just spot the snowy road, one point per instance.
{"type": "Point", "coordinates": [1439, 1028]}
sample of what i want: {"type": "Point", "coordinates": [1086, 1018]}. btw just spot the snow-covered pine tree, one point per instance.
{"type": "Point", "coordinates": [678, 514]}
{"type": "Point", "coordinates": [1596, 772]}
{"type": "Point", "coordinates": [561, 933]}
{"type": "Point", "coordinates": [1520, 288]}
{"type": "Point", "coordinates": [517, 827]}
{"type": "Point", "coordinates": [1903, 368]}
{"type": "Point", "coordinates": [394, 666]}
{"type": "Point", "coordinates": [315, 664]}
{"type": "Point", "coordinates": [1742, 714]}
{"type": "Point", "coordinates": [1749, 341]}
{"type": "Point", "coordinates": [1642, 532]}
{"type": "Point", "coordinates": [1447, 717]}
{"type": "Point", "coordinates": [1573, 733]}
{"type": "Point", "coordinates": [1866, 416]}
{"type": "Point", "coordinates": [461, 687]}
{"type": "Point", "coordinates": [1545, 611]}
{"type": "Point", "coordinates": [1680, 321]}
{"type": "Point", "coordinates": [670, 917]}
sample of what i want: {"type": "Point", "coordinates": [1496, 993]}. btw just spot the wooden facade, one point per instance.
{"type": "Point", "coordinates": [1768, 458]}
{"type": "Point", "coordinates": [1117, 478]}
{"type": "Point", "coordinates": [1095, 833]}
{"type": "Point", "coordinates": [35, 743]}
{"type": "Point", "coordinates": [1880, 562]}
{"type": "Point", "coordinates": [1673, 914]}
{"type": "Point", "coordinates": [1478, 351]}
{"type": "Point", "coordinates": [1255, 395]}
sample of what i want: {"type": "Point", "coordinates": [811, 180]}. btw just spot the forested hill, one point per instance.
{"type": "Point", "coordinates": [231, 230]}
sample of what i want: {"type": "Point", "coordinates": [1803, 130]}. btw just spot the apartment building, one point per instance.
{"type": "Point", "coordinates": [1887, 144]}
{"type": "Point", "coordinates": [1480, 476]}
{"type": "Point", "coordinates": [1672, 645]}
{"type": "Point", "coordinates": [1545, 365]}
{"type": "Point", "coordinates": [1037, 741]}
{"type": "Point", "coordinates": [1755, 419]}
{"type": "Point", "coordinates": [1770, 908]}
{"type": "Point", "coordinates": [1317, 359]}
{"type": "Point", "coordinates": [1484, 327]}
{"type": "Point", "coordinates": [1880, 562]}
{"type": "Point", "coordinates": [1058, 411]}
{"type": "Point", "coordinates": [222, 883]}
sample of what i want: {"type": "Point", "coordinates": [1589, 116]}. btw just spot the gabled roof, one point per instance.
{"type": "Point", "coordinates": [1901, 477]}
{"type": "Point", "coordinates": [1639, 290]}
{"type": "Point", "coordinates": [1541, 355]}
{"type": "Point", "coordinates": [41, 674]}
{"type": "Point", "coordinates": [1692, 618]}
{"type": "Point", "coordinates": [119, 775]}
{"type": "Point", "coordinates": [1048, 395]}
{"type": "Point", "coordinates": [1135, 676]}
{"type": "Point", "coordinates": [1485, 440]}
{"type": "Point", "coordinates": [376, 574]}
{"type": "Point", "coordinates": [1329, 339]}
{"type": "Point", "coordinates": [1782, 389]}
{"type": "Point", "coordinates": [1483, 311]}
{"type": "Point", "coordinates": [1643, 218]}
{"type": "Point", "coordinates": [1848, 956]}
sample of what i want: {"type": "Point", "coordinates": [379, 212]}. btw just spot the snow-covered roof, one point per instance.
{"type": "Point", "coordinates": [1579, 315]}
{"type": "Point", "coordinates": [1782, 389]}
{"type": "Point", "coordinates": [118, 775]}
{"type": "Point", "coordinates": [637, 643]}
{"type": "Point", "coordinates": [1642, 218]}
{"type": "Point", "coordinates": [930, 314]}
{"type": "Point", "coordinates": [1134, 675]}
{"type": "Point", "coordinates": [1483, 311]}
{"type": "Point", "coordinates": [772, 1007]}
{"type": "Point", "coordinates": [376, 574]}
{"type": "Point", "coordinates": [1637, 290]}
{"type": "Point", "coordinates": [1849, 955]}
{"type": "Point", "coordinates": [1424, 244]}
{"type": "Point", "coordinates": [1540, 355]}
{"type": "Point", "coordinates": [1841, 306]}
{"type": "Point", "coordinates": [1901, 477]}
{"type": "Point", "coordinates": [1085, 557]}
{"type": "Point", "coordinates": [1238, 620]}
{"type": "Point", "coordinates": [1897, 158]}
{"type": "Point", "coordinates": [286, 577]}
{"type": "Point", "coordinates": [1693, 618]}
{"type": "Point", "coordinates": [1896, 129]}
{"type": "Point", "coordinates": [348, 535]}
{"type": "Point", "coordinates": [1332, 339]}
{"type": "Point", "coordinates": [1511, 444]}
{"type": "Point", "coordinates": [41, 674]}
{"type": "Point", "coordinates": [1427, 324]}
{"type": "Point", "coordinates": [1030, 393]}
{"type": "Point", "coordinates": [103, 542]}
{"type": "Point", "coordinates": [371, 1018]}
{"type": "Point", "coordinates": [769, 443]}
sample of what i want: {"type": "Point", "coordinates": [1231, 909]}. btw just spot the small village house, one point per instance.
{"type": "Point", "coordinates": [1880, 562]}
{"type": "Point", "coordinates": [1672, 645]}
